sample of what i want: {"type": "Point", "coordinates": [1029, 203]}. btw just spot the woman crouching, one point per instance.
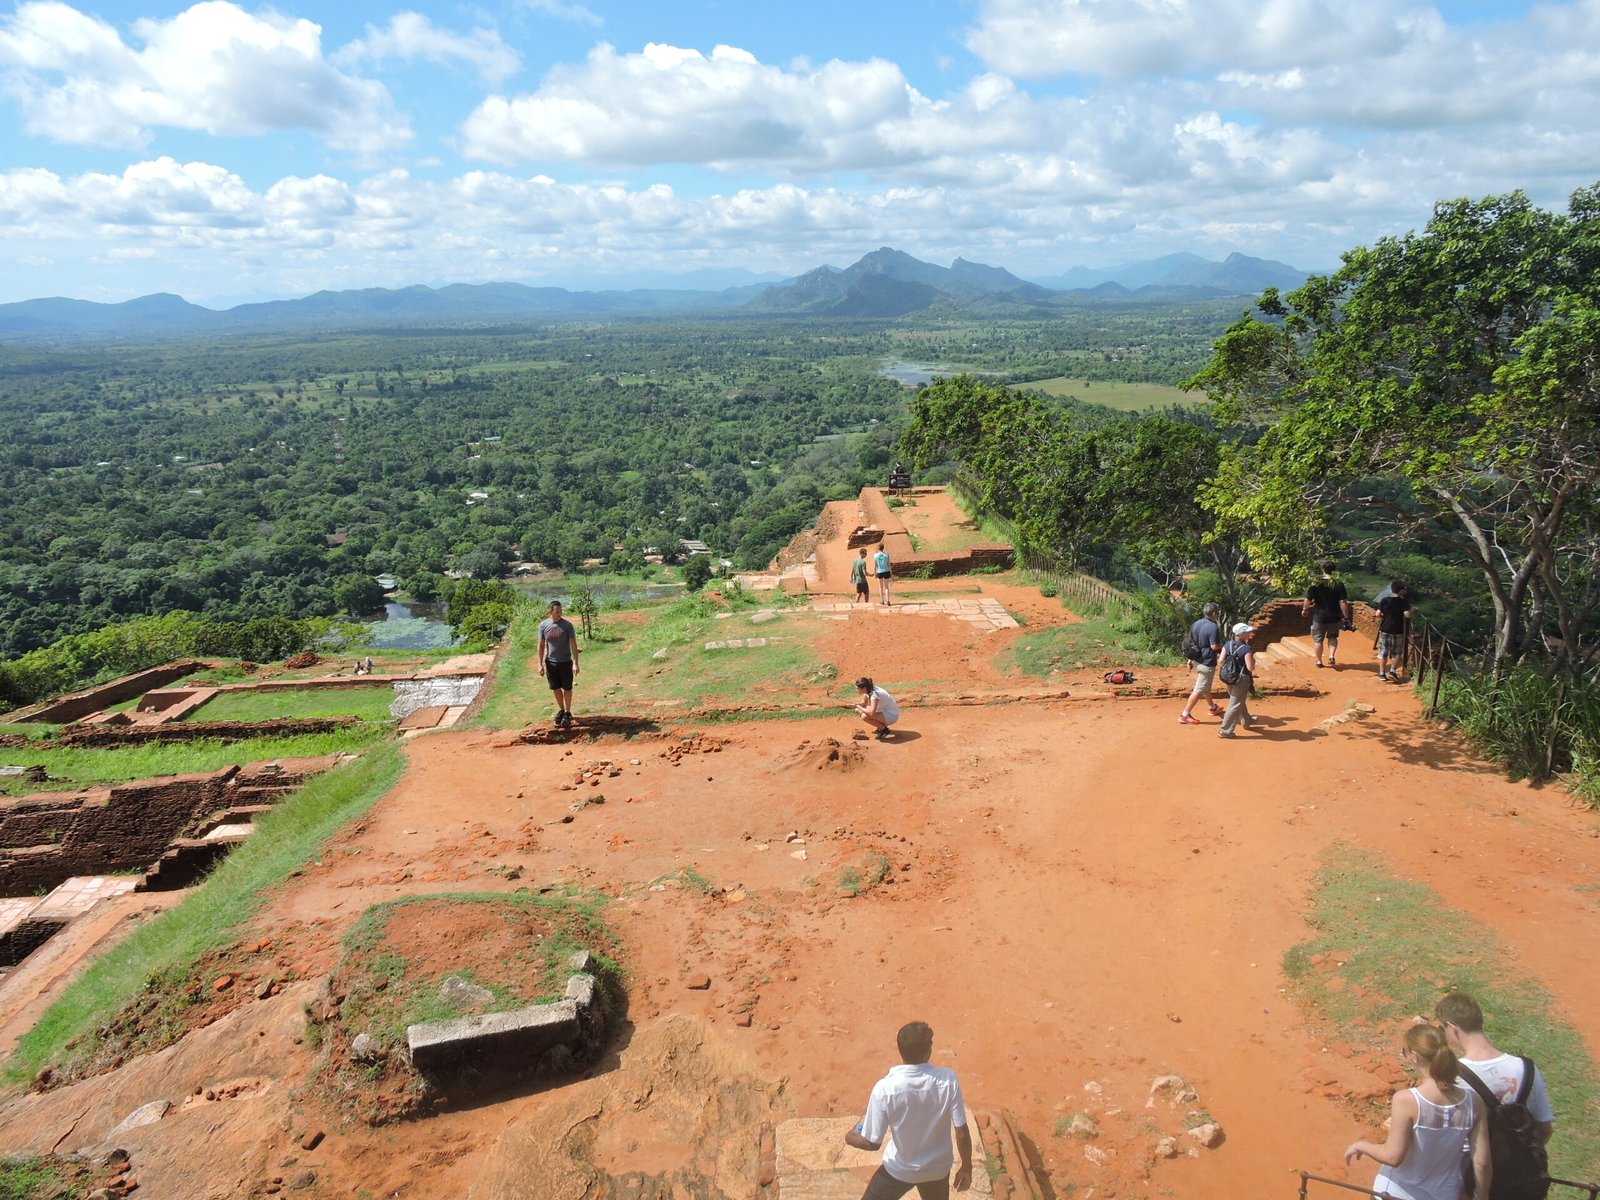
{"type": "Point", "coordinates": [876, 707]}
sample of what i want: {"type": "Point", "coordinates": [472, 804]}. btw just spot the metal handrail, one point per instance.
{"type": "Point", "coordinates": [1591, 1190]}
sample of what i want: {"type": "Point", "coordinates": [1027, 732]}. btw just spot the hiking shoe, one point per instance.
{"type": "Point", "coordinates": [1216, 710]}
{"type": "Point", "coordinates": [883, 735]}
{"type": "Point", "coordinates": [1320, 665]}
{"type": "Point", "coordinates": [1186, 719]}
{"type": "Point", "coordinates": [1229, 736]}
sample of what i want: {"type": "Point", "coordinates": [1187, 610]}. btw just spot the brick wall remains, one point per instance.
{"type": "Point", "coordinates": [1279, 619]}
{"type": "Point", "coordinates": [185, 731]}
{"type": "Point", "coordinates": [49, 837]}
{"type": "Point", "coordinates": [76, 705]}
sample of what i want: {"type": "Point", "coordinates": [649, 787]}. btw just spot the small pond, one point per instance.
{"type": "Point", "coordinates": [910, 374]}
{"type": "Point", "coordinates": [409, 626]}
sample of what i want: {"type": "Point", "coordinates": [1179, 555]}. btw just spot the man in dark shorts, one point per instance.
{"type": "Point", "coordinates": [558, 660]}
{"type": "Point", "coordinates": [1328, 605]}
{"type": "Point", "coordinates": [858, 576]}
{"type": "Point", "coordinates": [1394, 618]}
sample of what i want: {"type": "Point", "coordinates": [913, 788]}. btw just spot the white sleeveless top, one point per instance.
{"type": "Point", "coordinates": [1431, 1169]}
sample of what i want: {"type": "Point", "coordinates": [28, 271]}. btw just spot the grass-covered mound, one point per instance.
{"type": "Point", "coordinates": [437, 958]}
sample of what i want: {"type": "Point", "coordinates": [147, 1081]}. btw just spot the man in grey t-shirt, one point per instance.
{"type": "Point", "coordinates": [558, 660]}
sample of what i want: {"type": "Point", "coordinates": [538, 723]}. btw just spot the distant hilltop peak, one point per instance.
{"type": "Point", "coordinates": [891, 283]}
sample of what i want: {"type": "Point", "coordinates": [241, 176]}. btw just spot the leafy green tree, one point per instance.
{"type": "Point", "coordinates": [356, 594]}
{"type": "Point", "coordinates": [697, 571]}
{"type": "Point", "coordinates": [1464, 360]}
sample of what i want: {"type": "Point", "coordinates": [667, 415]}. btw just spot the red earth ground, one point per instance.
{"type": "Point", "coordinates": [1081, 895]}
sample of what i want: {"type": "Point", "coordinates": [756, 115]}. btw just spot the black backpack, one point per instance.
{"type": "Point", "coordinates": [1232, 668]}
{"type": "Point", "coordinates": [1190, 647]}
{"type": "Point", "coordinates": [1521, 1166]}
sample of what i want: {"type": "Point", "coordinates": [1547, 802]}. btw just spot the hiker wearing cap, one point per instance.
{"type": "Point", "coordinates": [1238, 672]}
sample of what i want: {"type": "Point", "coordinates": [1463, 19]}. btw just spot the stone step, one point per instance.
{"type": "Point", "coordinates": [1296, 645]}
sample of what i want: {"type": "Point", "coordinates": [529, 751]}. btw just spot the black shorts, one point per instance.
{"type": "Point", "coordinates": [861, 587]}
{"type": "Point", "coordinates": [558, 675]}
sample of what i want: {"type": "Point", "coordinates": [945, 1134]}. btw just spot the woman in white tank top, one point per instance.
{"type": "Point", "coordinates": [1432, 1127]}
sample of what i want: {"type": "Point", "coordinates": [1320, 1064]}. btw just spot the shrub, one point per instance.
{"type": "Point", "coordinates": [1531, 725]}
{"type": "Point", "coordinates": [1157, 620]}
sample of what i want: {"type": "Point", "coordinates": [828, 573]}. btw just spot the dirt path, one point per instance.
{"type": "Point", "coordinates": [1079, 896]}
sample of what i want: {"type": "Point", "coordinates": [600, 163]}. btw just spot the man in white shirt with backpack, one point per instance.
{"type": "Point", "coordinates": [1462, 1020]}
{"type": "Point", "coordinates": [1513, 1093]}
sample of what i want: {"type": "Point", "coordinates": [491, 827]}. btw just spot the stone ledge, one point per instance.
{"type": "Point", "coordinates": [505, 1042]}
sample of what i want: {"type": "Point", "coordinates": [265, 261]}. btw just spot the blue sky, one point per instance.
{"type": "Point", "coordinates": [229, 151]}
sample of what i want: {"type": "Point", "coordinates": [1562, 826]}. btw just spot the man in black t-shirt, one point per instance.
{"type": "Point", "coordinates": [1394, 618]}
{"type": "Point", "coordinates": [1328, 605]}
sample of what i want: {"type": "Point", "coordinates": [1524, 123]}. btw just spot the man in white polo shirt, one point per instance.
{"type": "Point", "coordinates": [918, 1104]}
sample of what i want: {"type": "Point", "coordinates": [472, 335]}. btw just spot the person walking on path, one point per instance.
{"type": "Point", "coordinates": [919, 1104]}
{"type": "Point", "coordinates": [1206, 636]}
{"type": "Point", "coordinates": [1328, 604]}
{"type": "Point", "coordinates": [1394, 622]}
{"type": "Point", "coordinates": [1428, 1124]}
{"type": "Point", "coordinates": [876, 707]}
{"type": "Point", "coordinates": [1500, 1072]}
{"type": "Point", "coordinates": [558, 660]}
{"type": "Point", "coordinates": [858, 576]}
{"type": "Point", "coordinates": [1239, 676]}
{"type": "Point", "coordinates": [880, 565]}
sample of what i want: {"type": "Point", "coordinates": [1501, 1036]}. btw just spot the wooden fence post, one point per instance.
{"type": "Point", "coordinates": [1555, 729]}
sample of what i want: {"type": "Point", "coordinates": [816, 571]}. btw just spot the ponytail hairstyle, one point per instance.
{"type": "Point", "coordinates": [863, 684]}
{"type": "Point", "coordinates": [1428, 1043]}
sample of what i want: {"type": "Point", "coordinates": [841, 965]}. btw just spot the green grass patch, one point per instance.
{"type": "Point", "coordinates": [32, 1178]}
{"type": "Point", "coordinates": [1403, 948]}
{"type": "Point", "coordinates": [75, 766]}
{"type": "Point", "coordinates": [1101, 642]}
{"type": "Point", "coordinates": [285, 839]}
{"type": "Point", "coordinates": [622, 674]}
{"type": "Point", "coordinates": [367, 703]}
{"type": "Point", "coordinates": [857, 880]}
{"type": "Point", "coordinates": [517, 951]}
{"type": "Point", "coordinates": [1122, 397]}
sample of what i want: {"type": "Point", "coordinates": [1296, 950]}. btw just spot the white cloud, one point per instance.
{"type": "Point", "coordinates": [213, 67]}
{"type": "Point", "coordinates": [1123, 39]}
{"type": "Point", "coordinates": [667, 104]}
{"type": "Point", "coordinates": [412, 37]}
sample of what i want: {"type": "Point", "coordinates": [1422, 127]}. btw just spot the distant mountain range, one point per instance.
{"type": "Point", "coordinates": [885, 283]}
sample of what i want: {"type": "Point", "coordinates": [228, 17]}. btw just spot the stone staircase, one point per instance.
{"type": "Point", "coordinates": [187, 860]}
{"type": "Point", "coordinates": [1288, 650]}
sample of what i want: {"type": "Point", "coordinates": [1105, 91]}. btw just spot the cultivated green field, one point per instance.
{"type": "Point", "coordinates": [1124, 397]}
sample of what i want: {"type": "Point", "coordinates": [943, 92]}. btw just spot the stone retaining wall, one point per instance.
{"type": "Point", "coordinates": [956, 562]}
{"type": "Point", "coordinates": [484, 1051]}
{"type": "Point", "coordinates": [72, 707]}
{"type": "Point", "coordinates": [1279, 619]}
{"type": "Point", "coordinates": [188, 731]}
{"type": "Point", "coordinates": [48, 837]}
